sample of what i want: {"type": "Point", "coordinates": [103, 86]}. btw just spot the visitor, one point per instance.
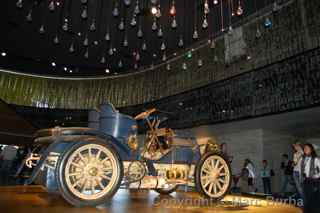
{"type": "Point", "coordinates": [243, 180]}
{"type": "Point", "coordinates": [287, 170]}
{"type": "Point", "coordinates": [7, 156]}
{"type": "Point", "coordinates": [266, 174]}
{"type": "Point", "coordinates": [251, 174]}
{"type": "Point", "coordinates": [310, 168]}
{"type": "Point", "coordinates": [297, 157]}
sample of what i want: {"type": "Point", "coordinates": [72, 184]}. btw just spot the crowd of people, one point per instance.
{"type": "Point", "coordinates": [302, 173]}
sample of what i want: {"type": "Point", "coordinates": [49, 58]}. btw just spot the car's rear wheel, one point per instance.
{"type": "Point", "coordinates": [89, 173]}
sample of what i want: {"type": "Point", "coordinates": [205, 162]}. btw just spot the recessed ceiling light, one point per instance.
{"type": "Point", "coordinates": [3, 54]}
{"type": "Point", "coordinates": [53, 64]}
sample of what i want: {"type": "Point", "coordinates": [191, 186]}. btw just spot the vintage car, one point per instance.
{"type": "Point", "coordinates": [87, 166]}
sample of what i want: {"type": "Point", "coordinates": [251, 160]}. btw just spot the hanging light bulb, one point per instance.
{"type": "Point", "coordinates": [84, 13]}
{"type": "Point", "coordinates": [103, 60]}
{"type": "Point", "coordinates": [215, 58]}
{"type": "Point", "coordinates": [125, 42]}
{"type": "Point", "coordinates": [205, 23]}
{"type": "Point", "coordinates": [267, 23]}
{"type": "Point", "coordinates": [144, 46]}
{"type": "Point", "coordinates": [137, 8]}
{"type": "Point", "coordinates": [127, 2]}
{"type": "Point", "coordinates": [19, 4]}
{"type": "Point", "coordinates": [206, 7]}
{"type": "Point", "coordinates": [51, 6]}
{"type": "Point", "coordinates": [86, 41]}
{"type": "Point", "coordinates": [200, 62]}
{"type": "Point", "coordinates": [258, 33]}
{"type": "Point", "coordinates": [29, 16]}
{"type": "Point", "coordinates": [121, 25]}
{"type": "Point", "coordinates": [158, 13]}
{"type": "Point", "coordinates": [86, 54]}
{"type": "Point", "coordinates": [180, 43]}
{"type": "Point", "coordinates": [173, 10]}
{"type": "Point", "coordinates": [65, 25]}
{"type": "Point", "coordinates": [164, 57]}
{"type": "Point", "coordinates": [115, 11]}
{"type": "Point", "coordinates": [195, 34]}
{"type": "Point", "coordinates": [120, 64]}
{"type": "Point", "coordinates": [174, 23]}
{"type": "Point", "coordinates": [42, 30]}
{"type": "Point", "coordinates": [230, 30]}
{"type": "Point", "coordinates": [107, 36]}
{"type": "Point", "coordinates": [160, 33]}
{"type": "Point", "coordinates": [93, 26]}
{"type": "Point", "coordinates": [154, 25]}
{"type": "Point", "coordinates": [189, 54]}
{"type": "Point", "coordinates": [239, 9]}
{"type": "Point", "coordinates": [56, 40]}
{"type": "Point", "coordinates": [215, 2]}
{"type": "Point", "coordinates": [154, 10]}
{"type": "Point", "coordinates": [184, 66]}
{"type": "Point", "coordinates": [213, 44]}
{"type": "Point", "coordinates": [110, 51]}
{"type": "Point", "coordinates": [168, 67]}
{"type": "Point", "coordinates": [71, 48]}
{"type": "Point", "coordinates": [133, 21]}
{"type": "Point", "coordinates": [137, 56]}
{"type": "Point", "coordinates": [140, 33]}
{"type": "Point", "coordinates": [163, 46]}
{"type": "Point", "coordinates": [276, 7]}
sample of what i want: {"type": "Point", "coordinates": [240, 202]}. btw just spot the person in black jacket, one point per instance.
{"type": "Point", "coordinates": [287, 171]}
{"type": "Point", "coordinates": [310, 168]}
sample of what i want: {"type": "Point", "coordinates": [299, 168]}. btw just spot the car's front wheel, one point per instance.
{"type": "Point", "coordinates": [89, 173]}
{"type": "Point", "coordinates": [213, 176]}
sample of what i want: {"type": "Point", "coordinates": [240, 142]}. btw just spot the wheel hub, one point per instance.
{"type": "Point", "coordinates": [93, 171]}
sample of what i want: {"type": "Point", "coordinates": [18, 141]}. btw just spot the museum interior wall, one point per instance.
{"type": "Point", "coordinates": [294, 30]}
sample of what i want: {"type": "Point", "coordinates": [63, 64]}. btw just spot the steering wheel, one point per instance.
{"type": "Point", "coordinates": [144, 114]}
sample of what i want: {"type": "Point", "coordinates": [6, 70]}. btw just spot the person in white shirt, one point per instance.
{"type": "Point", "coordinates": [251, 174]}
{"type": "Point", "coordinates": [310, 169]}
{"type": "Point", "coordinates": [297, 158]}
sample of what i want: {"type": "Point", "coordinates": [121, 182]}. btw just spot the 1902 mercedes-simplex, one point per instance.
{"type": "Point", "coordinates": [87, 166]}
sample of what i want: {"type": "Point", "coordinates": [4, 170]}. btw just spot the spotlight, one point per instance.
{"type": "Point", "coordinates": [70, 71]}
{"type": "Point", "coordinates": [65, 69]}
{"type": "Point", "coordinates": [154, 10]}
{"type": "Point", "coordinates": [215, 2]}
{"type": "Point", "coordinates": [3, 54]}
{"type": "Point", "coordinates": [107, 71]}
{"type": "Point", "coordinates": [173, 10]}
{"type": "Point", "coordinates": [53, 64]}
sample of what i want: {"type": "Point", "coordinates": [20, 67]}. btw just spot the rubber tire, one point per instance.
{"type": "Point", "coordinates": [63, 189]}
{"type": "Point", "coordinates": [198, 172]}
{"type": "Point", "coordinates": [166, 192]}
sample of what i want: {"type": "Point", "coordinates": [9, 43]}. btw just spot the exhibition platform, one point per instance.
{"type": "Point", "coordinates": [35, 199]}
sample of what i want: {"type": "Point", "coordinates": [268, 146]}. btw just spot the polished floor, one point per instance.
{"type": "Point", "coordinates": [34, 199]}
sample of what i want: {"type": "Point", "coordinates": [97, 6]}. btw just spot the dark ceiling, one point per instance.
{"type": "Point", "coordinates": [31, 51]}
